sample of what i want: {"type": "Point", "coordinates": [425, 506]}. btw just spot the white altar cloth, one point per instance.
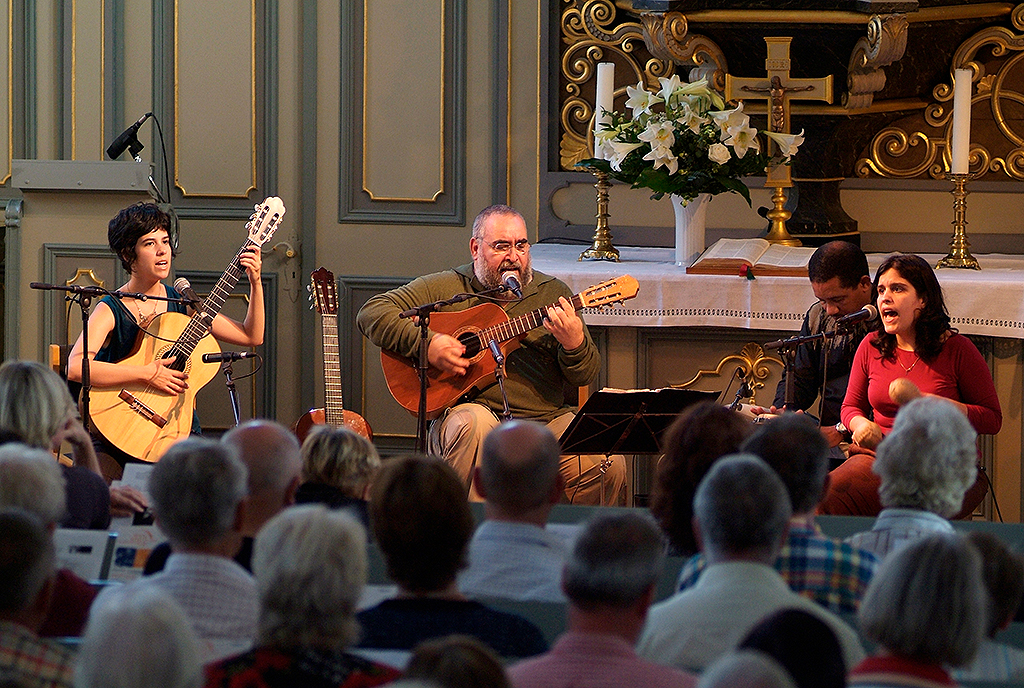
{"type": "Point", "coordinates": [980, 302]}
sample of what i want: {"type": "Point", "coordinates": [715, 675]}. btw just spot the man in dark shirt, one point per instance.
{"type": "Point", "coordinates": [839, 279]}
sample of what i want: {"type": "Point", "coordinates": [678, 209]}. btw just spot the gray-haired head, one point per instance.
{"type": "Point", "coordinates": [794, 447]}
{"type": "Point", "coordinates": [742, 510]}
{"type": "Point", "coordinates": [195, 490]}
{"type": "Point", "coordinates": [138, 636]}
{"type": "Point", "coordinates": [490, 211]}
{"type": "Point", "coordinates": [929, 459]}
{"type": "Point", "coordinates": [310, 568]}
{"type": "Point", "coordinates": [30, 479]}
{"type": "Point", "coordinates": [269, 450]}
{"type": "Point", "coordinates": [615, 561]}
{"type": "Point", "coordinates": [27, 560]}
{"type": "Point", "coordinates": [745, 669]}
{"type": "Point", "coordinates": [926, 601]}
{"type": "Point", "coordinates": [519, 466]}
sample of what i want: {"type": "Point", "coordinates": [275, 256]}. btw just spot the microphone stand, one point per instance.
{"type": "Point", "coordinates": [499, 375]}
{"type": "Point", "coordinates": [788, 347]}
{"type": "Point", "coordinates": [225, 367]}
{"type": "Point", "coordinates": [422, 315]}
{"type": "Point", "coordinates": [84, 300]}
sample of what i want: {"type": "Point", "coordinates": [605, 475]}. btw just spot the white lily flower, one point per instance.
{"type": "Point", "coordinates": [663, 156]}
{"type": "Point", "coordinates": [659, 134]}
{"type": "Point", "coordinates": [743, 139]}
{"type": "Point", "coordinates": [617, 152]}
{"type": "Point", "coordinates": [719, 152]}
{"type": "Point", "coordinates": [690, 118]}
{"type": "Point", "coordinates": [669, 87]}
{"type": "Point", "coordinates": [729, 120]}
{"type": "Point", "coordinates": [787, 143]}
{"type": "Point", "coordinates": [640, 100]}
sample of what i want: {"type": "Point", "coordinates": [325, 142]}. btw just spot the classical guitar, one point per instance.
{"type": "Point", "coordinates": [474, 328]}
{"type": "Point", "coordinates": [142, 421]}
{"type": "Point", "coordinates": [324, 295]}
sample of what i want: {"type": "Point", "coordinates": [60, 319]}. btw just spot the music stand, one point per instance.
{"type": "Point", "coordinates": [627, 421]}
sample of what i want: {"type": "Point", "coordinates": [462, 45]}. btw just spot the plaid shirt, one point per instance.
{"type": "Point", "coordinates": [831, 572]}
{"type": "Point", "coordinates": [36, 663]}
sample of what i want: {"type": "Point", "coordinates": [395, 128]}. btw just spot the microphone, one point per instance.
{"type": "Point", "coordinates": [499, 357]}
{"type": "Point", "coordinates": [868, 312]}
{"type": "Point", "coordinates": [228, 356]}
{"type": "Point", "coordinates": [511, 283]}
{"type": "Point", "coordinates": [182, 286]}
{"type": "Point", "coordinates": [127, 138]}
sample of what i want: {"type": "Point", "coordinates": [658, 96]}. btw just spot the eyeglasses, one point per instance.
{"type": "Point", "coordinates": [521, 246]}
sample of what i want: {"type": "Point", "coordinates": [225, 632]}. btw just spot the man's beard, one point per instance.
{"type": "Point", "coordinates": [492, 278]}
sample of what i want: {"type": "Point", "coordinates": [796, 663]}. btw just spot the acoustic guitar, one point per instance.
{"type": "Point", "coordinates": [474, 328]}
{"type": "Point", "coordinates": [324, 295]}
{"type": "Point", "coordinates": [143, 421]}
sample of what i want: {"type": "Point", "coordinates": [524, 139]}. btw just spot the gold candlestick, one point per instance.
{"type": "Point", "coordinates": [959, 255]}
{"type": "Point", "coordinates": [778, 234]}
{"type": "Point", "coordinates": [602, 248]}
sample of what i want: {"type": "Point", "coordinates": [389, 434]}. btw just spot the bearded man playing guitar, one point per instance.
{"type": "Point", "coordinates": [140, 236]}
{"type": "Point", "coordinates": [559, 355]}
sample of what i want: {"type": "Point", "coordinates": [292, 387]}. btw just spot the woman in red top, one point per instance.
{"type": "Point", "coordinates": [914, 351]}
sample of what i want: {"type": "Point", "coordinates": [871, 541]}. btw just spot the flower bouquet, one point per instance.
{"type": "Point", "coordinates": [682, 141]}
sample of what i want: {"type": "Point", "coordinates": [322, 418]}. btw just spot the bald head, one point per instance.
{"type": "Point", "coordinates": [271, 453]}
{"type": "Point", "coordinates": [519, 467]}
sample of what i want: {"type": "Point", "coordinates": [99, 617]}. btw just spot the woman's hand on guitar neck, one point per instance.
{"type": "Point", "coordinates": [252, 261]}
{"type": "Point", "coordinates": [166, 379]}
{"type": "Point", "coordinates": [445, 353]}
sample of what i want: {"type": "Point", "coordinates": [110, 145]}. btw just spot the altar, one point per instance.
{"type": "Point", "coordinates": [696, 330]}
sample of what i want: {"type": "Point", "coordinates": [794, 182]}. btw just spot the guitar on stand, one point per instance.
{"type": "Point", "coordinates": [323, 293]}
{"type": "Point", "coordinates": [142, 421]}
{"type": "Point", "coordinates": [474, 328]}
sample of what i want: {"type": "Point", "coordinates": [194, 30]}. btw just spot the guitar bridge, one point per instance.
{"type": "Point", "coordinates": [141, 409]}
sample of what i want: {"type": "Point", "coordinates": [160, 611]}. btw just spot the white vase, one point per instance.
{"type": "Point", "coordinates": [691, 221]}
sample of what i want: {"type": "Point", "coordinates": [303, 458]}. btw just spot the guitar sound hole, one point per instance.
{"type": "Point", "coordinates": [471, 341]}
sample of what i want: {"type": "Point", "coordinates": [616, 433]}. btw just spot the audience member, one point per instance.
{"type": "Point", "coordinates": [270, 452]}
{"type": "Point", "coordinates": [804, 645]}
{"type": "Point", "coordinates": [512, 555]}
{"type": "Point", "coordinates": [198, 491]}
{"type": "Point", "coordinates": [925, 609]}
{"type": "Point", "coordinates": [26, 569]}
{"type": "Point", "coordinates": [610, 579]}
{"type": "Point", "coordinates": [831, 572]}
{"type": "Point", "coordinates": [741, 511]}
{"type": "Point", "coordinates": [745, 669]}
{"type": "Point", "coordinates": [1002, 573]}
{"type": "Point", "coordinates": [137, 638]}
{"type": "Point", "coordinates": [338, 467]}
{"type": "Point", "coordinates": [926, 464]}
{"type": "Point", "coordinates": [310, 566]}
{"type": "Point", "coordinates": [697, 438]}
{"type": "Point", "coordinates": [31, 480]}
{"type": "Point", "coordinates": [457, 661]}
{"type": "Point", "coordinates": [36, 408]}
{"type": "Point", "coordinates": [422, 523]}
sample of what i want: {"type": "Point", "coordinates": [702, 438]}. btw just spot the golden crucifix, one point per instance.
{"type": "Point", "coordinates": [778, 89]}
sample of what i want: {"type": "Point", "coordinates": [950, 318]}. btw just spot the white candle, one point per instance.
{"type": "Point", "coordinates": [605, 95]}
{"type": "Point", "coordinates": [961, 139]}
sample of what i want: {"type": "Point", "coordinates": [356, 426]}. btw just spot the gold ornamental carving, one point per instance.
{"type": "Point", "coordinates": [591, 32]}
{"type": "Point", "coordinates": [667, 37]}
{"type": "Point", "coordinates": [885, 43]}
{"type": "Point", "coordinates": [918, 146]}
{"type": "Point", "coordinates": [752, 360]}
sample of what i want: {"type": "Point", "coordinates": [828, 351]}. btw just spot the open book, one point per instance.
{"type": "Point", "coordinates": [727, 256]}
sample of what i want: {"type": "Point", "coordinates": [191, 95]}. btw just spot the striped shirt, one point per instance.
{"type": "Point", "coordinates": [34, 662]}
{"type": "Point", "coordinates": [828, 571]}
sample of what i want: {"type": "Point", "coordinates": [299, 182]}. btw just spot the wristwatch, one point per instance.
{"type": "Point", "coordinates": [844, 432]}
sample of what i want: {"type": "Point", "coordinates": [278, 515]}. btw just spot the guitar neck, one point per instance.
{"type": "Point", "coordinates": [334, 408]}
{"type": "Point", "coordinates": [522, 324]}
{"type": "Point", "coordinates": [199, 324]}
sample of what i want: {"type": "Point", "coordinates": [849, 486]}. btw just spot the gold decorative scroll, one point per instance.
{"type": "Point", "coordinates": [591, 33]}
{"type": "Point", "coordinates": [752, 360]}
{"type": "Point", "coordinates": [918, 145]}
{"type": "Point", "coordinates": [885, 43]}
{"type": "Point", "coordinates": [666, 36]}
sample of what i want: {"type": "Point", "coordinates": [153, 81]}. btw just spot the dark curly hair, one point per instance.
{"type": "Point", "coordinates": [932, 323]}
{"type": "Point", "coordinates": [696, 439]}
{"type": "Point", "coordinates": [133, 223]}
